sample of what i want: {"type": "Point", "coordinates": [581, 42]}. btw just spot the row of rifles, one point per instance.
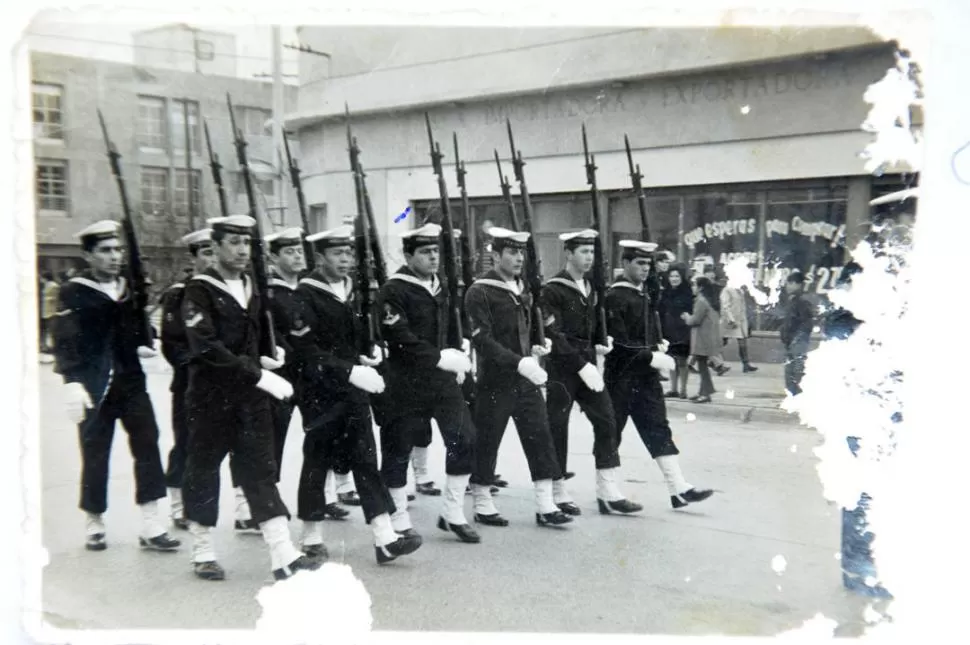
{"type": "Point", "coordinates": [457, 257]}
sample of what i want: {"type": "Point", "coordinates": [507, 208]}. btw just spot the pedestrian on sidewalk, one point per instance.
{"type": "Point", "coordinates": [676, 300]}
{"type": "Point", "coordinates": [705, 333]}
{"type": "Point", "coordinates": [50, 292]}
{"type": "Point", "coordinates": [796, 331]}
{"type": "Point", "coordinates": [715, 361]}
{"type": "Point", "coordinates": [734, 316]}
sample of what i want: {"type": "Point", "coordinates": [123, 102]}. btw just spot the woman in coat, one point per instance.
{"type": "Point", "coordinates": [734, 322]}
{"type": "Point", "coordinates": [675, 300]}
{"type": "Point", "coordinates": [705, 333]}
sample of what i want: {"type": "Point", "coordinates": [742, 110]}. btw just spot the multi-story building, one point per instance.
{"type": "Point", "coordinates": [748, 139]}
{"type": "Point", "coordinates": [146, 111]}
{"type": "Point", "coordinates": [188, 49]}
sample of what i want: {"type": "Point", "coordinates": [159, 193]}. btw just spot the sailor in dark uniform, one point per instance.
{"type": "Point", "coordinates": [228, 402]}
{"type": "Point", "coordinates": [633, 370]}
{"type": "Point", "coordinates": [423, 381]}
{"type": "Point", "coordinates": [509, 378]}
{"type": "Point", "coordinates": [568, 303]}
{"type": "Point", "coordinates": [95, 352]}
{"type": "Point", "coordinates": [326, 335]}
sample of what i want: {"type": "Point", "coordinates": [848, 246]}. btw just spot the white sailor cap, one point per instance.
{"type": "Point", "coordinates": [579, 238]}
{"type": "Point", "coordinates": [637, 249]}
{"type": "Point", "coordinates": [340, 236]}
{"type": "Point", "coordinates": [503, 238]}
{"type": "Point", "coordinates": [286, 237]}
{"type": "Point", "coordinates": [424, 236]}
{"type": "Point", "coordinates": [105, 229]}
{"type": "Point", "coordinates": [198, 239]}
{"type": "Point", "coordinates": [234, 224]}
{"type": "Point", "coordinates": [668, 255]}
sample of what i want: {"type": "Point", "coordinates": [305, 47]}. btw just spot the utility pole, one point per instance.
{"type": "Point", "coordinates": [188, 165]}
{"type": "Point", "coordinates": [279, 187]}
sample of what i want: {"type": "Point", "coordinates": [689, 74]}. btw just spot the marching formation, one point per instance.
{"type": "Point", "coordinates": [312, 320]}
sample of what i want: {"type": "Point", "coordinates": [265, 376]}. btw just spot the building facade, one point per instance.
{"type": "Point", "coordinates": [146, 110]}
{"type": "Point", "coordinates": [185, 48]}
{"type": "Point", "coordinates": [748, 140]}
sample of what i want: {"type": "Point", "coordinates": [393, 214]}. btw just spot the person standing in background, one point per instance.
{"type": "Point", "coordinates": [734, 318]}
{"type": "Point", "coordinates": [705, 333]}
{"type": "Point", "coordinates": [796, 331]}
{"type": "Point", "coordinates": [50, 293]}
{"type": "Point", "coordinates": [675, 301]}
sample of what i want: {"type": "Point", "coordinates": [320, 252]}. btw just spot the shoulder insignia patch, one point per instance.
{"type": "Point", "coordinates": [475, 331]}
{"type": "Point", "coordinates": [300, 333]}
{"type": "Point", "coordinates": [63, 313]}
{"type": "Point", "coordinates": [390, 318]}
{"type": "Point", "coordinates": [194, 320]}
{"type": "Point", "coordinates": [549, 321]}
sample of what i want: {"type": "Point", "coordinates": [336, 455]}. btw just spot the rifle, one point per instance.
{"type": "Point", "coordinates": [216, 173]}
{"type": "Point", "coordinates": [652, 287]}
{"type": "Point", "coordinates": [507, 195]}
{"type": "Point", "coordinates": [467, 240]}
{"type": "Point", "coordinates": [267, 340]}
{"type": "Point", "coordinates": [311, 260]}
{"type": "Point", "coordinates": [366, 285]}
{"type": "Point", "coordinates": [380, 266]}
{"type": "Point", "coordinates": [449, 256]}
{"type": "Point", "coordinates": [136, 270]}
{"type": "Point", "coordinates": [533, 266]}
{"type": "Point", "coordinates": [600, 265]}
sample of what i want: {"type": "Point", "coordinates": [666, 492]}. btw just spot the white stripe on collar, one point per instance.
{"type": "Point", "coordinates": [323, 286]}
{"type": "Point", "coordinates": [97, 286]}
{"type": "Point", "coordinates": [247, 288]}
{"type": "Point", "coordinates": [498, 284]}
{"type": "Point", "coordinates": [571, 284]}
{"type": "Point", "coordinates": [628, 285]}
{"type": "Point", "coordinates": [280, 282]}
{"type": "Point", "coordinates": [434, 289]}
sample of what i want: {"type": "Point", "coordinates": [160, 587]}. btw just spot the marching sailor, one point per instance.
{"type": "Point", "coordinates": [228, 402]}
{"type": "Point", "coordinates": [423, 382]}
{"type": "Point", "coordinates": [509, 378]}
{"type": "Point", "coordinates": [334, 382]}
{"type": "Point", "coordinates": [568, 303]}
{"type": "Point", "coordinates": [633, 370]}
{"type": "Point", "coordinates": [95, 353]}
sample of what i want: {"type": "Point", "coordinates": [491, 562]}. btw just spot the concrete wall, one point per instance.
{"type": "Point", "coordinates": [174, 47]}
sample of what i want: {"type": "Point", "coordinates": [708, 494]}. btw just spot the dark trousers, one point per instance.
{"type": "Point", "coordinates": [641, 397]}
{"type": "Point", "coordinates": [518, 399]}
{"type": "Point", "coordinates": [422, 436]}
{"type": "Point", "coordinates": [794, 369]}
{"type": "Point", "coordinates": [132, 406]}
{"type": "Point", "coordinates": [344, 443]}
{"type": "Point", "coordinates": [282, 412]}
{"type": "Point", "coordinates": [447, 407]}
{"type": "Point", "coordinates": [243, 427]}
{"type": "Point", "coordinates": [707, 383]}
{"type": "Point", "coordinates": [563, 390]}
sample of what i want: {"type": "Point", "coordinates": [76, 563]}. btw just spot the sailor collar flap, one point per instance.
{"type": "Point", "coordinates": [434, 290]}
{"type": "Point", "coordinates": [97, 286]}
{"type": "Point", "coordinates": [495, 283]}
{"type": "Point", "coordinates": [628, 285]}
{"type": "Point", "coordinates": [218, 283]}
{"type": "Point", "coordinates": [327, 289]}
{"type": "Point", "coordinates": [570, 283]}
{"type": "Point", "coordinates": [280, 282]}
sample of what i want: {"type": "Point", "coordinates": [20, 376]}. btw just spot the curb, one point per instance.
{"type": "Point", "coordinates": [740, 413]}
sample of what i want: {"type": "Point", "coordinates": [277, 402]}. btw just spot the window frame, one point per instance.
{"type": "Point", "coordinates": [180, 206]}
{"type": "Point", "coordinates": [141, 134]}
{"type": "Point", "coordinates": [39, 196]}
{"type": "Point", "coordinates": [147, 171]}
{"type": "Point", "coordinates": [58, 92]}
{"type": "Point", "coordinates": [176, 125]}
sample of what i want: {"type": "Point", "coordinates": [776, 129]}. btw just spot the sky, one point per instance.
{"type": "Point", "coordinates": [75, 35]}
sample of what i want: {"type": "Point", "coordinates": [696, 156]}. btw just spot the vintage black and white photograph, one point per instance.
{"type": "Point", "coordinates": [545, 329]}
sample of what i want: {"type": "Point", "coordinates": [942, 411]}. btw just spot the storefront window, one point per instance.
{"type": "Point", "coordinates": [721, 227]}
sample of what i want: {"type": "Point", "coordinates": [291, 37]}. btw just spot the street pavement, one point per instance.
{"type": "Point", "coordinates": [704, 570]}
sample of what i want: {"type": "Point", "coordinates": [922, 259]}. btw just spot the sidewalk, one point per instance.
{"type": "Point", "coordinates": [755, 396]}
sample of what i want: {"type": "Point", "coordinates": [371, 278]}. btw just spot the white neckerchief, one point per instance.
{"type": "Point", "coordinates": [238, 290]}
{"type": "Point", "coordinates": [112, 288]}
{"type": "Point", "coordinates": [581, 283]}
{"type": "Point", "coordinates": [339, 289]}
{"type": "Point", "coordinates": [514, 286]}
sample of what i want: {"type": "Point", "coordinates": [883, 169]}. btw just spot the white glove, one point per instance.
{"type": "Point", "coordinates": [664, 346]}
{"type": "Point", "coordinates": [539, 351]}
{"type": "Point", "coordinates": [76, 401]}
{"type": "Point", "coordinates": [374, 359]}
{"type": "Point", "coordinates": [148, 352]}
{"type": "Point", "coordinates": [661, 361]}
{"type": "Point", "coordinates": [592, 377]}
{"type": "Point", "coordinates": [455, 361]}
{"type": "Point", "coordinates": [529, 368]}
{"type": "Point", "coordinates": [275, 386]}
{"type": "Point", "coordinates": [466, 346]}
{"type": "Point", "coordinates": [367, 379]}
{"type": "Point", "coordinates": [271, 364]}
{"type": "Point", "coordinates": [603, 351]}
{"type": "Point", "coordinates": [460, 378]}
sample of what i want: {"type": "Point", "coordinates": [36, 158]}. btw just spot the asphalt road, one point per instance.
{"type": "Point", "coordinates": [704, 570]}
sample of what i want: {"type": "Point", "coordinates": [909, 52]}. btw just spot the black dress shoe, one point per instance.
{"type": "Point", "coordinates": [464, 532]}
{"type": "Point", "coordinates": [316, 552]}
{"type": "Point", "coordinates": [690, 497]}
{"type": "Point", "coordinates": [247, 527]}
{"type": "Point", "coordinates": [209, 570]}
{"type": "Point", "coordinates": [401, 546]}
{"type": "Point", "coordinates": [749, 368]}
{"type": "Point", "coordinates": [568, 475]}
{"type": "Point", "coordinates": [408, 533]}
{"type": "Point", "coordinates": [411, 497]}
{"type": "Point", "coordinates": [491, 520]}
{"type": "Point", "coordinates": [180, 523]}
{"type": "Point", "coordinates": [569, 508]}
{"type": "Point", "coordinates": [722, 370]}
{"type": "Point", "coordinates": [428, 488]}
{"type": "Point", "coordinates": [498, 481]}
{"type": "Point", "coordinates": [349, 499]}
{"type": "Point", "coordinates": [302, 563]}
{"type": "Point", "coordinates": [672, 395]}
{"type": "Point", "coordinates": [159, 543]}
{"type": "Point", "coordinates": [493, 489]}
{"type": "Point", "coordinates": [334, 511]}
{"type": "Point", "coordinates": [556, 518]}
{"type": "Point", "coordinates": [95, 542]}
{"type": "Point", "coordinates": [621, 506]}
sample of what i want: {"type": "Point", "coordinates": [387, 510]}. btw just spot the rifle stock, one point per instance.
{"type": "Point", "coordinates": [136, 270]}
{"type": "Point", "coordinates": [260, 275]}
{"type": "Point", "coordinates": [600, 263]}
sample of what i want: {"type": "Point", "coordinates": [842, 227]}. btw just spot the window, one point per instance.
{"type": "Point", "coordinates": [177, 120]}
{"type": "Point", "coordinates": [151, 123]}
{"type": "Point", "coordinates": [51, 179]}
{"type": "Point", "coordinates": [48, 115]}
{"type": "Point", "coordinates": [204, 50]}
{"type": "Point", "coordinates": [182, 193]}
{"type": "Point", "coordinates": [254, 121]}
{"type": "Point", "coordinates": [266, 186]}
{"type": "Point", "coordinates": [317, 218]}
{"type": "Point", "coordinates": [154, 192]}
